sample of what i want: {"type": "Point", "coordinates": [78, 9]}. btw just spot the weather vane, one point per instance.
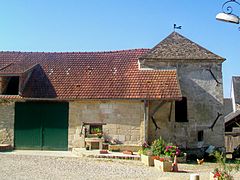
{"type": "Point", "coordinates": [176, 27]}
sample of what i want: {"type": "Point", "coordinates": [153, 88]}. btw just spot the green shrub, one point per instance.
{"type": "Point", "coordinates": [158, 147]}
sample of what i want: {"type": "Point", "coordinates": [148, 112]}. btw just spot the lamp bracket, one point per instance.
{"type": "Point", "coordinates": [227, 7]}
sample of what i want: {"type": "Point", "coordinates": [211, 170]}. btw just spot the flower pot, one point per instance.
{"type": "Point", "coordinates": [147, 160]}
{"type": "Point", "coordinates": [164, 166]}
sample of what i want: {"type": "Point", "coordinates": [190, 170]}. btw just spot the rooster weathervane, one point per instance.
{"type": "Point", "coordinates": [176, 27]}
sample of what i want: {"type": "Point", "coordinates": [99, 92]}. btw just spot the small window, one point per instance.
{"type": "Point", "coordinates": [12, 86]}
{"type": "Point", "coordinates": [200, 136]}
{"type": "Point", "coordinates": [181, 110]}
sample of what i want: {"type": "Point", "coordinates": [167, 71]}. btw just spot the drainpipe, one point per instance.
{"type": "Point", "coordinates": [146, 108]}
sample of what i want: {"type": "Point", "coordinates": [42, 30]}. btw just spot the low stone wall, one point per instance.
{"type": "Point", "coordinates": [121, 148]}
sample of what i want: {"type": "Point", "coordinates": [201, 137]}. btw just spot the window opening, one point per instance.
{"type": "Point", "coordinates": [200, 136]}
{"type": "Point", "coordinates": [12, 86]}
{"type": "Point", "coordinates": [181, 110]}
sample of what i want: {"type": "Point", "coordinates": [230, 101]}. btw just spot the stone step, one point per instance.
{"type": "Point", "coordinates": [82, 152]}
{"type": "Point", "coordinates": [5, 147]}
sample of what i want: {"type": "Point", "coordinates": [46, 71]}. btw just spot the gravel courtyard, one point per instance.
{"type": "Point", "coordinates": [45, 167]}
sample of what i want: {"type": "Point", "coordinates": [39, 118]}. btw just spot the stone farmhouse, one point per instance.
{"type": "Point", "coordinates": [174, 90]}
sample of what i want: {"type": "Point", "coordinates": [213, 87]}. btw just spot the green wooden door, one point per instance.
{"type": "Point", "coordinates": [28, 132]}
{"type": "Point", "coordinates": [41, 125]}
{"type": "Point", "coordinates": [55, 133]}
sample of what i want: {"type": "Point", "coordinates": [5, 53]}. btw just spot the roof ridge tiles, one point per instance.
{"type": "Point", "coordinates": [78, 52]}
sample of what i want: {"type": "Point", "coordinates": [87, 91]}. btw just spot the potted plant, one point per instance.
{"type": "Point", "coordinates": [158, 147]}
{"type": "Point", "coordinates": [162, 163]}
{"type": "Point", "coordinates": [146, 155]}
{"type": "Point", "coordinates": [171, 151]}
{"type": "Point", "coordinates": [95, 130]}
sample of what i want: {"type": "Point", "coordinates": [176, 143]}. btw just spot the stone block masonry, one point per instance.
{"type": "Point", "coordinates": [204, 95]}
{"type": "Point", "coordinates": [7, 122]}
{"type": "Point", "coordinates": [123, 118]}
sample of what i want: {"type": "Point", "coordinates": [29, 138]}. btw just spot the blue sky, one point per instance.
{"type": "Point", "coordinates": [94, 25]}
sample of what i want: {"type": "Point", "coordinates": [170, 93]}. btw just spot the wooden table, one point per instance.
{"type": "Point", "coordinates": [89, 142]}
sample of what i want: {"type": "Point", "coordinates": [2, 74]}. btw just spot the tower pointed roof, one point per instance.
{"type": "Point", "coordinates": [176, 46]}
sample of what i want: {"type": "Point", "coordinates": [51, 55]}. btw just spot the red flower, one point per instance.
{"type": "Point", "coordinates": [217, 174]}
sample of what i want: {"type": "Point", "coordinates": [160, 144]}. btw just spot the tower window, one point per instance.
{"type": "Point", "coordinates": [200, 136]}
{"type": "Point", "coordinates": [181, 110]}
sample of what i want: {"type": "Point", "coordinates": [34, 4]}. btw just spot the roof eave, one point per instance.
{"type": "Point", "coordinates": [80, 99]}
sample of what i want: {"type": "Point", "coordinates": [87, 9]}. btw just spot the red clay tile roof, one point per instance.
{"type": "Point", "coordinates": [7, 58]}
{"type": "Point", "coordinates": [92, 75]}
{"type": "Point", "coordinates": [16, 69]}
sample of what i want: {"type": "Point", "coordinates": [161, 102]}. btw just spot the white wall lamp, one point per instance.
{"type": "Point", "coordinates": [227, 12]}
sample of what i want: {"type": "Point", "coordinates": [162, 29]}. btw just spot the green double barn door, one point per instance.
{"type": "Point", "coordinates": [41, 125]}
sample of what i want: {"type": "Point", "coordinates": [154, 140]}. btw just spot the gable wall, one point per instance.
{"type": "Point", "coordinates": [204, 98]}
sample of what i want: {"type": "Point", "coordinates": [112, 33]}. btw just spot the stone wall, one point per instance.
{"type": "Point", "coordinates": [124, 120]}
{"type": "Point", "coordinates": [163, 118]}
{"type": "Point", "coordinates": [6, 122]}
{"type": "Point", "coordinates": [204, 101]}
